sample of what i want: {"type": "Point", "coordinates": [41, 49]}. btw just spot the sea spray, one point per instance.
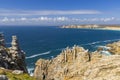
{"type": "Point", "coordinates": [36, 55]}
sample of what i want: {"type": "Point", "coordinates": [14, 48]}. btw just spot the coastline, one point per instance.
{"type": "Point", "coordinates": [92, 27]}
{"type": "Point", "coordinates": [77, 61]}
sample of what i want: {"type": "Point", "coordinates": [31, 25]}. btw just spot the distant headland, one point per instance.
{"type": "Point", "coordinates": [93, 26]}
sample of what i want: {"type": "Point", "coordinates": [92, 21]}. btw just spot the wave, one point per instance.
{"type": "Point", "coordinates": [97, 42]}
{"type": "Point", "coordinates": [30, 71]}
{"type": "Point", "coordinates": [36, 55]}
{"type": "Point", "coordinates": [92, 43]}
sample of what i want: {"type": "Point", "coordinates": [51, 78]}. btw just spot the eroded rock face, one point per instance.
{"type": "Point", "coordinates": [63, 65]}
{"type": "Point", "coordinates": [114, 48]}
{"type": "Point", "coordinates": [108, 68]}
{"type": "Point", "coordinates": [12, 58]}
{"type": "Point", "coordinates": [76, 63]}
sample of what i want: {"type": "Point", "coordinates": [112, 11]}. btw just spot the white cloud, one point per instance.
{"type": "Point", "coordinates": [45, 12]}
{"type": "Point", "coordinates": [12, 19]}
{"type": "Point", "coordinates": [55, 20]}
{"type": "Point", "coordinates": [5, 19]}
{"type": "Point", "coordinates": [23, 19]}
{"type": "Point", "coordinates": [108, 19]}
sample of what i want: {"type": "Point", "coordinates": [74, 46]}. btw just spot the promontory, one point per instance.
{"type": "Point", "coordinates": [93, 26]}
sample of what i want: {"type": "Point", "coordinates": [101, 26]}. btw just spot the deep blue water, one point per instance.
{"type": "Point", "coordinates": [46, 42]}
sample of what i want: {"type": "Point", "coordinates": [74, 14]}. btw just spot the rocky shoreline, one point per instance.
{"type": "Point", "coordinates": [73, 63]}
{"type": "Point", "coordinates": [76, 63]}
{"type": "Point", "coordinates": [93, 26]}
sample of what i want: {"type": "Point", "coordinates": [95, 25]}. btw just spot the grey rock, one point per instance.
{"type": "Point", "coordinates": [12, 57]}
{"type": "Point", "coordinates": [3, 77]}
{"type": "Point", "coordinates": [2, 41]}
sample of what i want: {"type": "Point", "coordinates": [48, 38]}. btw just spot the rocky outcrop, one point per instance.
{"type": "Point", "coordinates": [76, 63]}
{"type": "Point", "coordinates": [65, 64]}
{"type": "Point", "coordinates": [12, 58]}
{"type": "Point", "coordinates": [114, 48]}
{"type": "Point", "coordinates": [107, 68]}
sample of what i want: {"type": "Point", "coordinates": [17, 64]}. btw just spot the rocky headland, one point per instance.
{"type": "Point", "coordinates": [73, 63]}
{"type": "Point", "coordinates": [93, 26]}
{"type": "Point", "coordinates": [12, 61]}
{"type": "Point", "coordinates": [76, 63]}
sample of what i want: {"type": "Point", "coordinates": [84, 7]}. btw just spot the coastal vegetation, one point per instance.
{"type": "Point", "coordinates": [12, 76]}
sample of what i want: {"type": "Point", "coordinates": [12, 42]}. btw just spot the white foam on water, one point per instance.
{"type": "Point", "coordinates": [97, 42]}
{"type": "Point", "coordinates": [36, 55]}
{"type": "Point", "coordinates": [93, 43]}
{"type": "Point", "coordinates": [106, 52]}
{"type": "Point", "coordinates": [30, 71]}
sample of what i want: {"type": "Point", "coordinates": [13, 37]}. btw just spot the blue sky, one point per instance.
{"type": "Point", "coordinates": [59, 12]}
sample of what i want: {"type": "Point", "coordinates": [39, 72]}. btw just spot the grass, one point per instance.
{"type": "Point", "coordinates": [12, 76]}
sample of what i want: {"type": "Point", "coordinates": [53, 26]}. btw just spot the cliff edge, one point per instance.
{"type": "Point", "coordinates": [76, 63]}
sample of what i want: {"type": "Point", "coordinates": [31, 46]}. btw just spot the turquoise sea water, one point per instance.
{"type": "Point", "coordinates": [47, 42]}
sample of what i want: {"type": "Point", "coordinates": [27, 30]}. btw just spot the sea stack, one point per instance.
{"type": "Point", "coordinates": [13, 57]}
{"type": "Point", "coordinates": [15, 49]}
{"type": "Point", "coordinates": [17, 55]}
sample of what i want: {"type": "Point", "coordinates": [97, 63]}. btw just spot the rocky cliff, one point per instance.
{"type": "Point", "coordinates": [76, 63]}
{"type": "Point", "coordinates": [13, 57]}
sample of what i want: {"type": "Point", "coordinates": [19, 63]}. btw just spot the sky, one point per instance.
{"type": "Point", "coordinates": [59, 12]}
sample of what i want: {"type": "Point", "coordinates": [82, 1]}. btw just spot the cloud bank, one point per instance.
{"type": "Point", "coordinates": [56, 20]}
{"type": "Point", "coordinates": [52, 17]}
{"type": "Point", "coordinates": [4, 12]}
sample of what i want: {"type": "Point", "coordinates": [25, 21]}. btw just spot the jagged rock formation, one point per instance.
{"type": "Point", "coordinates": [78, 64]}
{"type": "Point", "coordinates": [12, 58]}
{"type": "Point", "coordinates": [107, 68]}
{"type": "Point", "coordinates": [67, 62]}
{"type": "Point", "coordinates": [114, 48]}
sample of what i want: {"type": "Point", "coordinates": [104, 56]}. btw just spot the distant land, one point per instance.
{"type": "Point", "coordinates": [93, 26]}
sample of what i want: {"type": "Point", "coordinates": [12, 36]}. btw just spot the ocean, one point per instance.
{"type": "Point", "coordinates": [48, 41]}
